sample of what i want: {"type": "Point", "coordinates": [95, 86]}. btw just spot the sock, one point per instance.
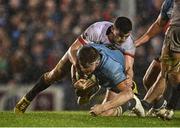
{"type": "Point", "coordinates": [39, 86]}
{"type": "Point", "coordinates": [146, 105]}
{"type": "Point", "coordinates": [160, 103]}
{"type": "Point", "coordinates": [128, 105]}
{"type": "Point", "coordinates": [174, 98]}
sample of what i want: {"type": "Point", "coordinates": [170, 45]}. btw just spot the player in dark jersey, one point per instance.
{"type": "Point", "coordinates": [170, 56]}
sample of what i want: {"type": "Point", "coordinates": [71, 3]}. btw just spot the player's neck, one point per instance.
{"type": "Point", "coordinates": [110, 37]}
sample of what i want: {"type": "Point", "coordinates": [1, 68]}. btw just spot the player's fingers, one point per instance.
{"type": "Point", "coordinates": [82, 80]}
{"type": "Point", "coordinates": [92, 113]}
{"type": "Point", "coordinates": [90, 83]}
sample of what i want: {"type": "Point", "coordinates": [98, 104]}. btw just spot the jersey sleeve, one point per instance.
{"type": "Point", "coordinates": [128, 47]}
{"type": "Point", "coordinates": [165, 8]}
{"type": "Point", "coordinates": [91, 34]}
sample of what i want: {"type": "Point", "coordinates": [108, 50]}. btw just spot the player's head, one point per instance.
{"type": "Point", "coordinates": [121, 29]}
{"type": "Point", "coordinates": [88, 59]}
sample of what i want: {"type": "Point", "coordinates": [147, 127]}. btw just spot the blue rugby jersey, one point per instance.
{"type": "Point", "coordinates": [111, 69]}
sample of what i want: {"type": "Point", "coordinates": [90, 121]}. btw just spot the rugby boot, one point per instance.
{"type": "Point", "coordinates": [138, 109]}
{"type": "Point", "coordinates": [152, 112]}
{"type": "Point", "coordinates": [21, 106]}
{"type": "Point", "coordinates": [165, 114]}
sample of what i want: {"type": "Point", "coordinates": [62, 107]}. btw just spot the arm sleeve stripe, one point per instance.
{"type": "Point", "coordinates": [81, 40]}
{"type": "Point", "coordinates": [131, 55]}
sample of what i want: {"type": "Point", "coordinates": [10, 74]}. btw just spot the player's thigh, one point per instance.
{"type": "Point", "coordinates": [151, 73]}
{"type": "Point", "coordinates": [170, 57]}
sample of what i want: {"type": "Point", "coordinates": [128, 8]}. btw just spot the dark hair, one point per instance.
{"type": "Point", "coordinates": [123, 24]}
{"type": "Point", "coordinates": [87, 55]}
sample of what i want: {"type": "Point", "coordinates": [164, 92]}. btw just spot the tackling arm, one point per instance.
{"type": "Point", "coordinates": [73, 50]}
{"type": "Point", "coordinates": [129, 61]}
{"type": "Point", "coordinates": [153, 30]}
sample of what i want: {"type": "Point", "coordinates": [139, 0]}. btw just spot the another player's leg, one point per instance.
{"type": "Point", "coordinates": [167, 113]}
{"type": "Point", "coordinates": [174, 80]}
{"type": "Point", "coordinates": [44, 82]}
{"type": "Point", "coordinates": [151, 74]}
{"type": "Point", "coordinates": [154, 92]}
{"type": "Point", "coordinates": [171, 63]}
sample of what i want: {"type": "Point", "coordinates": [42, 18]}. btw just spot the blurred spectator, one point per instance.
{"type": "Point", "coordinates": [5, 47]}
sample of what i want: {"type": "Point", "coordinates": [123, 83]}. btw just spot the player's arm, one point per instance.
{"type": "Point", "coordinates": [125, 94]}
{"type": "Point", "coordinates": [129, 62]}
{"type": "Point", "coordinates": [89, 35]}
{"type": "Point", "coordinates": [74, 48]}
{"type": "Point", "coordinates": [153, 30]}
{"type": "Point", "coordinates": [129, 52]}
{"type": "Point", "coordinates": [73, 74]}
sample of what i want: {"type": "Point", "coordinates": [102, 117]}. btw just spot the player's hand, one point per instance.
{"type": "Point", "coordinates": [83, 84]}
{"type": "Point", "coordinates": [97, 109]}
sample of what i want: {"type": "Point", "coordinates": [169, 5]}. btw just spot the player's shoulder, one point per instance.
{"type": "Point", "coordinates": [129, 41]}
{"type": "Point", "coordinates": [100, 25]}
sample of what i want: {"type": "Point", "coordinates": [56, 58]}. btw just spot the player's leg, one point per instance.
{"type": "Point", "coordinates": [156, 90]}
{"type": "Point", "coordinates": [171, 62]}
{"type": "Point", "coordinates": [132, 104]}
{"type": "Point", "coordinates": [154, 99]}
{"type": "Point", "coordinates": [167, 113]}
{"type": "Point", "coordinates": [44, 82]}
{"type": "Point", "coordinates": [151, 74]}
{"type": "Point", "coordinates": [114, 111]}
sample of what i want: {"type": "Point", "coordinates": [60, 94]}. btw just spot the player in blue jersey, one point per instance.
{"type": "Point", "coordinates": [170, 56]}
{"type": "Point", "coordinates": [108, 67]}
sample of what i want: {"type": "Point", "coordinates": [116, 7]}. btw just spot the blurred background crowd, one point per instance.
{"type": "Point", "coordinates": [34, 34]}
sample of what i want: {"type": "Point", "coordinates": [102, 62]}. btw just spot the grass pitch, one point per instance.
{"type": "Point", "coordinates": [80, 119]}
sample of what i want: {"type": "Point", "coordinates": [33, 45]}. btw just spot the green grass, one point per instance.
{"type": "Point", "coordinates": [79, 119]}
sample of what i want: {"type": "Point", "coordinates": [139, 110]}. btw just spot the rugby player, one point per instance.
{"type": "Point", "coordinates": [117, 33]}
{"type": "Point", "coordinates": [109, 68]}
{"type": "Point", "coordinates": [170, 56]}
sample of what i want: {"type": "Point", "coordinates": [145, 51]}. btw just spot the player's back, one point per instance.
{"type": "Point", "coordinates": [111, 69]}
